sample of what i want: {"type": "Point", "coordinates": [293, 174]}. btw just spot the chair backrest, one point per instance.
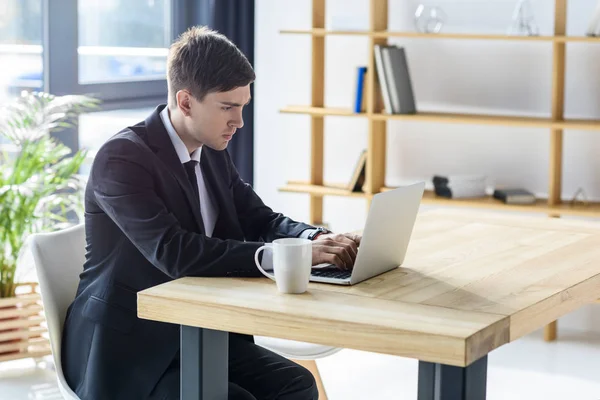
{"type": "Point", "coordinates": [59, 258]}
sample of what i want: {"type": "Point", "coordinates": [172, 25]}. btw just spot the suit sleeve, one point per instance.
{"type": "Point", "coordinates": [122, 183]}
{"type": "Point", "coordinates": [258, 221]}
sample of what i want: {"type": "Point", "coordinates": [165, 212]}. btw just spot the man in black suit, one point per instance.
{"type": "Point", "coordinates": [164, 201]}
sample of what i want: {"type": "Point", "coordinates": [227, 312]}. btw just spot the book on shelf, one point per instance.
{"type": "Point", "coordinates": [514, 196]}
{"type": "Point", "coordinates": [394, 79]}
{"type": "Point", "coordinates": [459, 186]}
{"type": "Point", "coordinates": [359, 174]}
{"type": "Point", "coordinates": [359, 94]}
{"type": "Point", "coordinates": [382, 80]}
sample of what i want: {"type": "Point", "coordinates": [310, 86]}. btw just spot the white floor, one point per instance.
{"type": "Point", "coordinates": [526, 369]}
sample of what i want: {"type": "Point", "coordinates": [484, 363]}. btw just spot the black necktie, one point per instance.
{"type": "Point", "coordinates": [190, 168]}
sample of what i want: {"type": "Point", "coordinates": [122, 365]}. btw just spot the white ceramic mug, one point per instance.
{"type": "Point", "coordinates": [292, 263]}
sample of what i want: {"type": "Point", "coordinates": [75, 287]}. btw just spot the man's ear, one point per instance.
{"type": "Point", "coordinates": [184, 102]}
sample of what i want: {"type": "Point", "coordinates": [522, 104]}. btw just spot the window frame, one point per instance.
{"type": "Point", "coordinates": [60, 42]}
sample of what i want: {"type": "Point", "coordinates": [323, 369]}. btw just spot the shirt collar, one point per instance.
{"type": "Point", "coordinates": [180, 148]}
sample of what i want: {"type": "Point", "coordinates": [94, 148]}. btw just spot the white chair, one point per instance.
{"type": "Point", "coordinates": [59, 258]}
{"type": "Point", "coordinates": [302, 353]}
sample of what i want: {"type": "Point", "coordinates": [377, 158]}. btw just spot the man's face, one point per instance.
{"type": "Point", "coordinates": [214, 120]}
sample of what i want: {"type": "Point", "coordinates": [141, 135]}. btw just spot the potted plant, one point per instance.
{"type": "Point", "coordinates": [40, 189]}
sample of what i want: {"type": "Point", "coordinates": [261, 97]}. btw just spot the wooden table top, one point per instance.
{"type": "Point", "coordinates": [470, 283]}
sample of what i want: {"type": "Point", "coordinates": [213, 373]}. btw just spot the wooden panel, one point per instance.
{"type": "Point", "coordinates": [319, 316]}
{"type": "Point", "coordinates": [31, 353]}
{"type": "Point", "coordinates": [555, 167]}
{"type": "Point", "coordinates": [378, 21]}
{"type": "Point", "coordinates": [318, 99]}
{"type": "Point", "coordinates": [375, 176]}
{"type": "Point", "coordinates": [317, 145]}
{"type": "Point", "coordinates": [323, 32]}
{"type": "Point", "coordinates": [429, 197]}
{"type": "Point", "coordinates": [577, 124]}
{"type": "Point", "coordinates": [320, 191]}
{"type": "Point", "coordinates": [21, 322]}
{"type": "Point", "coordinates": [488, 202]}
{"type": "Point", "coordinates": [469, 119]}
{"type": "Point", "coordinates": [558, 98]}
{"type": "Point", "coordinates": [558, 85]}
{"type": "Point", "coordinates": [26, 311]}
{"type": "Point", "coordinates": [378, 15]}
{"type": "Point", "coordinates": [20, 300]}
{"type": "Point", "coordinates": [22, 345]}
{"type": "Point", "coordinates": [465, 36]}
{"type": "Point", "coordinates": [580, 39]}
{"type": "Point", "coordinates": [321, 111]}
{"type": "Point", "coordinates": [556, 134]}
{"type": "Point", "coordinates": [560, 17]}
{"type": "Point", "coordinates": [460, 36]}
{"type": "Point", "coordinates": [22, 333]}
{"type": "Point", "coordinates": [376, 142]}
{"type": "Point", "coordinates": [448, 118]}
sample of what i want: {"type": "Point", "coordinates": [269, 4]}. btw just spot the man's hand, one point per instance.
{"type": "Point", "coordinates": [337, 249]}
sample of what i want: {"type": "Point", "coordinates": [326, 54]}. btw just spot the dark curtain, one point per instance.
{"type": "Point", "coordinates": [235, 19]}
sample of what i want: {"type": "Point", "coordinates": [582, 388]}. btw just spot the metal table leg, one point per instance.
{"type": "Point", "coordinates": [204, 364]}
{"type": "Point", "coordinates": [447, 382]}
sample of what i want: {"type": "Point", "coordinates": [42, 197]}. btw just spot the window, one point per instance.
{"type": "Point", "coordinates": [123, 40]}
{"type": "Point", "coordinates": [20, 47]}
{"type": "Point", "coordinates": [96, 128]}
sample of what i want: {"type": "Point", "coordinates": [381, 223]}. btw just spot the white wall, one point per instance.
{"type": "Point", "coordinates": [470, 76]}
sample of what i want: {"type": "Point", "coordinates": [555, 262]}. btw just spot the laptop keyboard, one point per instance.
{"type": "Point", "coordinates": [331, 273]}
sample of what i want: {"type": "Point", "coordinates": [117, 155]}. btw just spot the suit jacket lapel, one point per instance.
{"type": "Point", "coordinates": [159, 141]}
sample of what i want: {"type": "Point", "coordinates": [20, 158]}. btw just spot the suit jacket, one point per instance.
{"type": "Point", "coordinates": [143, 228]}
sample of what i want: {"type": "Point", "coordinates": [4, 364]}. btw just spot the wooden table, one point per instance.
{"type": "Point", "coordinates": [470, 283]}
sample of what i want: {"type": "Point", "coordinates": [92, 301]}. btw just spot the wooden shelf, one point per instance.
{"type": "Point", "coordinates": [459, 36]}
{"type": "Point", "coordinates": [37, 352]}
{"type": "Point", "coordinates": [318, 190]}
{"type": "Point", "coordinates": [323, 32]}
{"type": "Point", "coordinates": [470, 119]}
{"type": "Point", "coordinates": [321, 111]}
{"type": "Point", "coordinates": [467, 119]}
{"type": "Point", "coordinates": [488, 202]}
{"type": "Point", "coordinates": [586, 39]}
{"type": "Point", "coordinates": [577, 124]}
{"type": "Point", "coordinates": [429, 197]}
{"type": "Point", "coordinates": [463, 36]}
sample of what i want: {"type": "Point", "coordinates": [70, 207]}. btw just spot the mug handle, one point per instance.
{"type": "Point", "coordinates": [265, 273]}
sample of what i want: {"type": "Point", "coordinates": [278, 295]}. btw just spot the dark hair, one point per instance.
{"type": "Point", "coordinates": [204, 61]}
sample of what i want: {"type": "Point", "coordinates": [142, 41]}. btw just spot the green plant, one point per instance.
{"type": "Point", "coordinates": [39, 185]}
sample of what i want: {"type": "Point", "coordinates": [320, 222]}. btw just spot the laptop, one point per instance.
{"type": "Point", "coordinates": [385, 237]}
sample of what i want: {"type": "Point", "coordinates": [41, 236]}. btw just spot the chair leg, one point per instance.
{"type": "Point", "coordinates": [550, 332]}
{"type": "Point", "coordinates": [311, 365]}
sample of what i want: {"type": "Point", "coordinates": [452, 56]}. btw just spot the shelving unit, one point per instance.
{"type": "Point", "coordinates": [377, 119]}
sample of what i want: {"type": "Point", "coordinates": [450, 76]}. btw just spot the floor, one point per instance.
{"type": "Point", "coordinates": [526, 369]}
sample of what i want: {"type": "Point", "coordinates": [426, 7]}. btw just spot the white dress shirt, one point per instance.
{"type": "Point", "coordinates": [207, 208]}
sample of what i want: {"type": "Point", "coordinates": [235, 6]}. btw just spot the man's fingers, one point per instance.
{"type": "Point", "coordinates": [355, 238]}
{"type": "Point", "coordinates": [336, 255]}
{"type": "Point", "coordinates": [345, 242]}
{"type": "Point", "coordinates": [342, 254]}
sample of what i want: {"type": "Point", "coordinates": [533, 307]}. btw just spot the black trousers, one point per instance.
{"type": "Point", "coordinates": [255, 373]}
